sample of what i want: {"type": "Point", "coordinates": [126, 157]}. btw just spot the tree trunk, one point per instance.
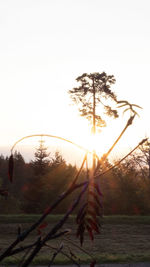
{"type": "Point", "coordinates": [94, 126]}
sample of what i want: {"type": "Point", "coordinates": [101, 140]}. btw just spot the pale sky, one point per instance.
{"type": "Point", "coordinates": [46, 44]}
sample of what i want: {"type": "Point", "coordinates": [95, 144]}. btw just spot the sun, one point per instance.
{"type": "Point", "coordinates": [93, 142]}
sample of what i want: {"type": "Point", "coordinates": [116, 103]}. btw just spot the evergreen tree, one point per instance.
{"type": "Point", "coordinates": [93, 90]}
{"type": "Point", "coordinates": [42, 161]}
{"type": "Point", "coordinates": [34, 190]}
{"type": "Point", "coordinates": [57, 160]}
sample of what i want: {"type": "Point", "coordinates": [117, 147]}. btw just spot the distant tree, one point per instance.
{"type": "Point", "coordinates": [57, 160]}
{"type": "Point", "coordinates": [20, 175]}
{"type": "Point", "coordinates": [4, 171]}
{"type": "Point", "coordinates": [57, 181]}
{"type": "Point", "coordinates": [19, 158]}
{"type": "Point", "coordinates": [42, 161]}
{"type": "Point", "coordinates": [144, 156]}
{"type": "Point", "coordinates": [33, 190]}
{"type": "Point", "coordinates": [129, 192]}
{"type": "Point", "coordinates": [140, 160]}
{"type": "Point", "coordinates": [49, 173]}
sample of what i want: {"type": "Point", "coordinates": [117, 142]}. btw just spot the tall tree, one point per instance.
{"type": "Point", "coordinates": [34, 195]}
{"type": "Point", "coordinates": [94, 90]}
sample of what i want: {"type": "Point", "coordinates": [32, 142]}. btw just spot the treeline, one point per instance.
{"type": "Point", "coordinates": [37, 184]}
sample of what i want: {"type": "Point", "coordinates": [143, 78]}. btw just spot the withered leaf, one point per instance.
{"type": "Point", "coordinates": [10, 168]}
{"type": "Point", "coordinates": [90, 232]}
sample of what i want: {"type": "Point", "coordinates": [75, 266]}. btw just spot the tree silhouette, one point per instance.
{"type": "Point", "coordinates": [142, 158]}
{"type": "Point", "coordinates": [93, 90]}
{"type": "Point", "coordinates": [41, 162]}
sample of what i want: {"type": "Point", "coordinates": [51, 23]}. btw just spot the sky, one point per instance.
{"type": "Point", "coordinates": [46, 44]}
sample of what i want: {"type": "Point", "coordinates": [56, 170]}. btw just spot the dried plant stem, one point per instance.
{"type": "Point", "coordinates": [129, 122]}
{"type": "Point", "coordinates": [52, 136]}
{"type": "Point", "coordinates": [65, 254]}
{"type": "Point", "coordinates": [24, 234]}
{"type": "Point", "coordinates": [105, 156]}
{"type": "Point", "coordinates": [24, 256]}
{"type": "Point", "coordinates": [98, 175]}
{"type": "Point", "coordinates": [41, 243]}
{"type": "Point", "coordinates": [55, 254]}
{"type": "Point", "coordinates": [18, 250]}
{"type": "Point", "coordinates": [33, 227]}
{"type": "Point", "coordinates": [77, 176]}
{"type": "Point", "coordinates": [79, 247]}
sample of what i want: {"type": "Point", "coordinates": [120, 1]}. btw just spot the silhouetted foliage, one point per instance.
{"type": "Point", "coordinates": [94, 89]}
{"type": "Point", "coordinates": [42, 161]}
{"type": "Point", "coordinates": [125, 190]}
{"type": "Point", "coordinates": [142, 159]}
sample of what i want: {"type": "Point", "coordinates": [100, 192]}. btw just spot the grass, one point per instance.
{"type": "Point", "coordinates": [26, 218]}
{"type": "Point", "coordinates": [100, 259]}
{"type": "Point", "coordinates": [123, 239]}
{"type": "Point", "coordinates": [114, 219]}
{"type": "Point", "coordinates": [124, 219]}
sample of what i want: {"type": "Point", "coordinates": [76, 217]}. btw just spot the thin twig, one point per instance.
{"type": "Point", "coordinates": [18, 250]}
{"type": "Point", "coordinates": [24, 256]}
{"type": "Point", "coordinates": [55, 254]}
{"type": "Point", "coordinates": [111, 168]}
{"type": "Point", "coordinates": [65, 254]}
{"type": "Point", "coordinates": [105, 156]}
{"type": "Point", "coordinates": [77, 246]}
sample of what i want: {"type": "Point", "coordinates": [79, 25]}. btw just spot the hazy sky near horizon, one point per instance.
{"type": "Point", "coordinates": [46, 44]}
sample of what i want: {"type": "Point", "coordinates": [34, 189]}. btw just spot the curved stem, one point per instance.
{"type": "Point", "coordinates": [52, 136]}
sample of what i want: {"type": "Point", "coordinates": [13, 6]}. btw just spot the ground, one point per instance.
{"type": "Point", "coordinates": [124, 241]}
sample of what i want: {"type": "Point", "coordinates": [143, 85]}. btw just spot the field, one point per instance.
{"type": "Point", "coordinates": [122, 239]}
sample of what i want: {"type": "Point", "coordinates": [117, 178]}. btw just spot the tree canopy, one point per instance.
{"type": "Point", "coordinates": [94, 89]}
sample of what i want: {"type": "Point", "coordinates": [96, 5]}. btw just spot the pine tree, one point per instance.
{"type": "Point", "coordinates": [42, 161]}
{"type": "Point", "coordinates": [94, 90]}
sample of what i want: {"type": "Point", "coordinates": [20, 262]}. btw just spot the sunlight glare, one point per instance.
{"type": "Point", "coordinates": [94, 143]}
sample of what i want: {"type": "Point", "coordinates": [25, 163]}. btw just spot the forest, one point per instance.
{"type": "Point", "coordinates": [36, 184]}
